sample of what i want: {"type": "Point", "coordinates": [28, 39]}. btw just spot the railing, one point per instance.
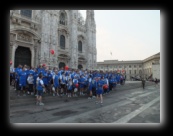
{"type": "Point", "coordinates": [29, 19]}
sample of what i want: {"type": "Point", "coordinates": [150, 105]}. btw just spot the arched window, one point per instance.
{"type": "Point", "coordinates": [80, 46]}
{"type": "Point", "coordinates": [62, 19]}
{"type": "Point", "coordinates": [27, 13]}
{"type": "Point", "coordinates": [62, 42]}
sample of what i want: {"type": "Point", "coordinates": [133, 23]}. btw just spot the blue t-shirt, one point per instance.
{"type": "Point", "coordinates": [56, 81]}
{"type": "Point", "coordinates": [49, 77]}
{"type": "Point", "coordinates": [45, 78]}
{"type": "Point", "coordinates": [22, 77]}
{"type": "Point", "coordinates": [100, 84]}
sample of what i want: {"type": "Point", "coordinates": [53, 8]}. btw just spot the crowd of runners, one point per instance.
{"type": "Point", "coordinates": [63, 82]}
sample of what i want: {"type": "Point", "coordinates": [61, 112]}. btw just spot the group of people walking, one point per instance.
{"type": "Point", "coordinates": [60, 82]}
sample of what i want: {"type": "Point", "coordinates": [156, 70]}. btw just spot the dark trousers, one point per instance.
{"type": "Point", "coordinates": [110, 86]}
{"type": "Point", "coordinates": [143, 85]}
{"type": "Point", "coordinates": [17, 85]}
{"type": "Point", "coordinates": [106, 90]}
{"type": "Point", "coordinates": [11, 79]}
{"type": "Point", "coordinates": [30, 87]}
{"type": "Point", "coordinates": [94, 91]}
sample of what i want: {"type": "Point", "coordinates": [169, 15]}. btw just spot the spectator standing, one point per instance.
{"type": "Point", "coordinates": [143, 83]}
{"type": "Point", "coordinates": [30, 81]}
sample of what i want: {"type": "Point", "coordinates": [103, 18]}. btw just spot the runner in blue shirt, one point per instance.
{"type": "Point", "coordinates": [94, 87]}
{"type": "Point", "coordinates": [35, 79]}
{"type": "Point", "coordinates": [118, 79]}
{"type": "Point", "coordinates": [90, 87]}
{"type": "Point", "coordinates": [17, 71]}
{"type": "Point", "coordinates": [56, 84]}
{"type": "Point", "coordinates": [45, 80]}
{"type": "Point", "coordinates": [63, 83]}
{"type": "Point", "coordinates": [22, 80]}
{"type": "Point", "coordinates": [99, 90]}
{"type": "Point", "coordinates": [107, 83]}
{"type": "Point", "coordinates": [40, 69]}
{"type": "Point", "coordinates": [81, 82]}
{"type": "Point", "coordinates": [114, 83]}
{"type": "Point", "coordinates": [32, 71]}
{"type": "Point", "coordinates": [75, 87]}
{"type": "Point", "coordinates": [110, 79]}
{"type": "Point", "coordinates": [50, 81]}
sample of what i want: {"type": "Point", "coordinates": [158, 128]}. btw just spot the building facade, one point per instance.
{"type": "Point", "coordinates": [144, 68]}
{"type": "Point", "coordinates": [151, 66]}
{"type": "Point", "coordinates": [34, 33]}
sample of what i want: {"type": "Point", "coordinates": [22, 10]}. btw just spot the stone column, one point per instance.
{"type": "Point", "coordinates": [14, 47]}
{"type": "Point", "coordinates": [11, 49]}
{"type": "Point", "coordinates": [32, 56]}
{"type": "Point", "coordinates": [73, 39]}
{"type": "Point", "coordinates": [35, 56]}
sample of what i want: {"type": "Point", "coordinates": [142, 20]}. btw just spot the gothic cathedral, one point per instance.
{"type": "Point", "coordinates": [34, 33]}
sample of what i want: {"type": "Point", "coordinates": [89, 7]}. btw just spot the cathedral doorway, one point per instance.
{"type": "Point", "coordinates": [61, 64]}
{"type": "Point", "coordinates": [22, 56]}
{"type": "Point", "coordinates": [80, 66]}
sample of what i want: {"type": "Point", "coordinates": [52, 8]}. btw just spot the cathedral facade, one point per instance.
{"type": "Point", "coordinates": [34, 33]}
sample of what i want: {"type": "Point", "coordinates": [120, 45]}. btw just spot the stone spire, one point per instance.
{"type": "Point", "coordinates": [90, 20]}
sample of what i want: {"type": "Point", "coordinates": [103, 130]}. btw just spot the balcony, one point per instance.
{"type": "Point", "coordinates": [82, 59]}
{"type": "Point", "coordinates": [63, 50]}
{"type": "Point", "coordinates": [24, 22]}
{"type": "Point", "coordinates": [24, 18]}
{"type": "Point", "coordinates": [63, 56]}
{"type": "Point", "coordinates": [81, 54]}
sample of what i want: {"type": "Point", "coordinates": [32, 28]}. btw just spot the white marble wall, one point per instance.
{"type": "Point", "coordinates": [73, 39]}
{"type": "Point", "coordinates": [47, 22]}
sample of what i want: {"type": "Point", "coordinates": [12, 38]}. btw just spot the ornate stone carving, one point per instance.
{"type": "Point", "coordinates": [13, 20]}
{"type": "Point", "coordinates": [24, 37]}
{"type": "Point", "coordinates": [19, 21]}
{"type": "Point", "coordinates": [36, 27]}
{"type": "Point", "coordinates": [12, 37]}
{"type": "Point", "coordinates": [32, 25]}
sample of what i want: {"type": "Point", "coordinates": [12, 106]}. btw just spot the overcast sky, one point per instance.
{"type": "Point", "coordinates": [127, 34]}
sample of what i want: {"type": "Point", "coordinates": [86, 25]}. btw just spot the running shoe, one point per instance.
{"type": "Point", "coordinates": [41, 104]}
